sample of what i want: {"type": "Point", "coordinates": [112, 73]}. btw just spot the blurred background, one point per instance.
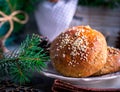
{"type": "Point", "coordinates": [51, 17]}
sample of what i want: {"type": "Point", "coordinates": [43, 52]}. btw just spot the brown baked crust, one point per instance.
{"type": "Point", "coordinates": [79, 52]}
{"type": "Point", "coordinates": [113, 62]}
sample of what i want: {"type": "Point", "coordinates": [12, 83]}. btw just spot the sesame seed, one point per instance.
{"type": "Point", "coordinates": [77, 63]}
{"type": "Point", "coordinates": [56, 54]}
{"type": "Point", "coordinates": [57, 43]}
{"type": "Point", "coordinates": [69, 48]}
{"type": "Point", "coordinates": [79, 74]}
{"type": "Point", "coordinates": [57, 49]}
{"type": "Point", "coordinates": [82, 30]}
{"type": "Point", "coordinates": [73, 28]}
{"type": "Point", "coordinates": [73, 65]}
{"type": "Point", "coordinates": [63, 55]}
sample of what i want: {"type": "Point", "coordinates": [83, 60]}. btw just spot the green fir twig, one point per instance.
{"type": "Point", "coordinates": [19, 64]}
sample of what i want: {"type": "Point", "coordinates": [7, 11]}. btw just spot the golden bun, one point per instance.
{"type": "Point", "coordinates": [79, 52]}
{"type": "Point", "coordinates": [113, 62]}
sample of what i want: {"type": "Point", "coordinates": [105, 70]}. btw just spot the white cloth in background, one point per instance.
{"type": "Point", "coordinates": [54, 18]}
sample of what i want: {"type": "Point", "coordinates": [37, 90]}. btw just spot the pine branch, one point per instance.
{"type": "Point", "coordinates": [19, 64]}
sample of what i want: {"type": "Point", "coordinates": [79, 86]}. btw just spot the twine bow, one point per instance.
{"type": "Point", "coordinates": [11, 18]}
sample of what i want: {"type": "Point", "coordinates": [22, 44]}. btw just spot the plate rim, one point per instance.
{"type": "Point", "coordinates": [57, 75]}
{"type": "Point", "coordinates": [87, 79]}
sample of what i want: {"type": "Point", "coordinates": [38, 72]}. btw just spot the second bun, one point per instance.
{"type": "Point", "coordinates": [79, 52]}
{"type": "Point", "coordinates": [113, 62]}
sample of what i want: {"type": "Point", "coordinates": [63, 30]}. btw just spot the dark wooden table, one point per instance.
{"type": "Point", "coordinates": [39, 83]}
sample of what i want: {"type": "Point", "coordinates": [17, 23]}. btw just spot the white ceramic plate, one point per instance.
{"type": "Point", "coordinates": [50, 72]}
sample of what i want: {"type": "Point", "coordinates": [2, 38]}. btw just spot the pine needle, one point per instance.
{"type": "Point", "coordinates": [20, 63]}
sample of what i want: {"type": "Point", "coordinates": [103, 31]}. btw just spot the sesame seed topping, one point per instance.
{"type": "Point", "coordinates": [65, 40]}
{"type": "Point", "coordinates": [79, 44]}
{"type": "Point", "coordinates": [113, 51]}
{"type": "Point", "coordinates": [76, 43]}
